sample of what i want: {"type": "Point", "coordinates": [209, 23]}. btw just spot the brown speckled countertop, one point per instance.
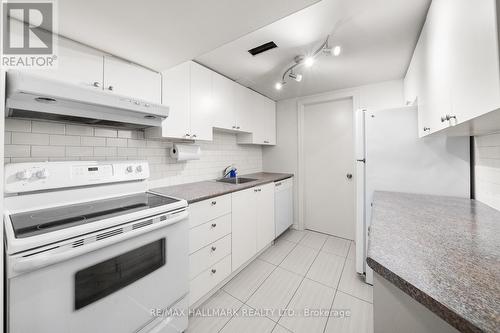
{"type": "Point", "coordinates": [442, 251]}
{"type": "Point", "coordinates": [193, 192]}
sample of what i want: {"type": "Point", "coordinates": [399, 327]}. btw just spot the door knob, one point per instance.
{"type": "Point", "coordinates": [349, 176]}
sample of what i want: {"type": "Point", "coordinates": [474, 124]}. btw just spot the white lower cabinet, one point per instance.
{"type": "Point", "coordinates": [244, 234]}
{"type": "Point", "coordinates": [265, 215]}
{"type": "Point", "coordinates": [253, 225]}
{"type": "Point", "coordinates": [226, 232]}
{"type": "Point", "coordinates": [209, 279]}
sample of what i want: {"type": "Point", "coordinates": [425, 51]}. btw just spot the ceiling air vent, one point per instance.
{"type": "Point", "coordinates": [263, 48]}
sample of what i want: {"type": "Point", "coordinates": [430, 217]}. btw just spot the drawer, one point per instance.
{"type": "Point", "coordinates": [207, 210]}
{"type": "Point", "coordinates": [209, 232]}
{"type": "Point", "coordinates": [209, 255]}
{"type": "Point", "coordinates": [210, 278]}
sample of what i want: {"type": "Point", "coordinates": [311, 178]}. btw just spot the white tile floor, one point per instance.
{"type": "Point", "coordinates": [306, 282]}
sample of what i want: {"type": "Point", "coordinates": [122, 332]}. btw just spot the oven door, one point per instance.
{"type": "Point", "coordinates": [121, 287]}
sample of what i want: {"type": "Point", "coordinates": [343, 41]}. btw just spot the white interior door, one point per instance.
{"type": "Point", "coordinates": [328, 143]}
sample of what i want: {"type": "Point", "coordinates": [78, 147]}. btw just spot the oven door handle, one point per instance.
{"type": "Point", "coordinates": [49, 258]}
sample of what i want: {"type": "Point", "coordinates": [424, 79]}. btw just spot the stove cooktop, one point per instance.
{"type": "Point", "coordinates": [42, 221]}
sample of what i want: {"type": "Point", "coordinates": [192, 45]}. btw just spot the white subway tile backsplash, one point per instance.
{"type": "Point", "coordinates": [106, 132]}
{"type": "Point", "coordinates": [64, 140]}
{"type": "Point", "coordinates": [89, 143]}
{"type": "Point", "coordinates": [48, 151]}
{"type": "Point", "coordinates": [93, 141]}
{"type": "Point", "coordinates": [105, 151]}
{"type": "Point", "coordinates": [116, 142]}
{"type": "Point", "coordinates": [17, 125]}
{"type": "Point", "coordinates": [79, 130]}
{"type": "Point", "coordinates": [487, 169]}
{"type": "Point", "coordinates": [17, 151]}
{"type": "Point", "coordinates": [20, 138]}
{"type": "Point", "coordinates": [47, 127]}
{"type": "Point", "coordinates": [79, 151]}
{"type": "Point", "coordinates": [7, 138]}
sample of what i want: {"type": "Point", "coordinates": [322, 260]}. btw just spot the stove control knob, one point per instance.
{"type": "Point", "coordinates": [42, 174]}
{"type": "Point", "coordinates": [138, 168]}
{"type": "Point", "coordinates": [129, 169]}
{"type": "Point", "coordinates": [23, 175]}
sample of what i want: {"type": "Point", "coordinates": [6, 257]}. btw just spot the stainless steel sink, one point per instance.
{"type": "Point", "coordinates": [238, 180]}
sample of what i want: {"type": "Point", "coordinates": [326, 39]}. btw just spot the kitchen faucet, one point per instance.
{"type": "Point", "coordinates": [228, 170]}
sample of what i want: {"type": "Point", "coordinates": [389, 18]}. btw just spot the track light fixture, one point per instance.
{"type": "Point", "coordinates": [307, 61]}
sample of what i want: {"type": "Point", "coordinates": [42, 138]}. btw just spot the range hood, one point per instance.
{"type": "Point", "coordinates": [32, 96]}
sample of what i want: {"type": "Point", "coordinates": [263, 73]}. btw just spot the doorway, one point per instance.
{"type": "Point", "coordinates": [328, 167]}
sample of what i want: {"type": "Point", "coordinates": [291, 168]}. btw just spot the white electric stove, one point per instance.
{"type": "Point", "coordinates": [89, 249]}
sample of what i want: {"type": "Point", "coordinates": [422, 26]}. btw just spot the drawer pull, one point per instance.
{"type": "Point", "coordinates": [213, 271]}
{"type": "Point", "coordinates": [214, 248]}
{"type": "Point", "coordinates": [214, 225]}
{"type": "Point", "coordinates": [214, 203]}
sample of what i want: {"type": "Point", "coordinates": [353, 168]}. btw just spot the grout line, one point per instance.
{"type": "Point", "coordinates": [300, 284]}
{"type": "Point", "coordinates": [336, 291]}
{"type": "Point", "coordinates": [232, 316]}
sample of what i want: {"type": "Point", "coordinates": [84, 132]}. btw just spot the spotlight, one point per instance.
{"type": "Point", "coordinates": [296, 77]}
{"type": "Point", "coordinates": [337, 50]}
{"type": "Point", "coordinates": [308, 61]}
{"type": "Point", "coordinates": [278, 85]}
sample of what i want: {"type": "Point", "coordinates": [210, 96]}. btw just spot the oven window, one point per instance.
{"type": "Point", "coordinates": [102, 279]}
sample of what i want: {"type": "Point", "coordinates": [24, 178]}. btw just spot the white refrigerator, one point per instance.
{"type": "Point", "coordinates": [391, 157]}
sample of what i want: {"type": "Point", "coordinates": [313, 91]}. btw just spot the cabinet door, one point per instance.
{"type": "Point", "coordinates": [131, 80]}
{"type": "Point", "coordinates": [202, 111]}
{"type": "Point", "coordinates": [265, 215]}
{"type": "Point", "coordinates": [474, 58]}
{"type": "Point", "coordinates": [175, 94]}
{"type": "Point", "coordinates": [269, 121]}
{"type": "Point", "coordinates": [243, 228]}
{"type": "Point", "coordinates": [437, 52]}
{"type": "Point", "coordinates": [223, 92]}
{"type": "Point", "coordinates": [76, 63]}
{"type": "Point", "coordinates": [244, 109]}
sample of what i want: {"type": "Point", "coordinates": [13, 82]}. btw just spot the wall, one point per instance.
{"type": "Point", "coordinates": [487, 169]}
{"type": "Point", "coordinates": [283, 156]}
{"type": "Point", "coordinates": [27, 140]}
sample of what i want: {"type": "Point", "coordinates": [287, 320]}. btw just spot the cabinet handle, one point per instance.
{"type": "Point", "coordinates": [257, 190]}
{"type": "Point", "coordinates": [448, 117]}
{"type": "Point", "coordinates": [111, 88]}
{"type": "Point", "coordinates": [96, 84]}
{"type": "Point", "coordinates": [193, 136]}
{"type": "Point", "coordinates": [187, 135]}
{"type": "Point", "coordinates": [427, 129]}
{"type": "Point", "coordinates": [266, 141]}
{"type": "Point", "coordinates": [214, 225]}
{"type": "Point", "coordinates": [214, 203]}
{"type": "Point", "coordinates": [237, 127]}
{"type": "Point", "coordinates": [234, 127]}
{"type": "Point", "coordinates": [213, 270]}
{"type": "Point", "coordinates": [214, 248]}
{"type": "Point", "coordinates": [277, 184]}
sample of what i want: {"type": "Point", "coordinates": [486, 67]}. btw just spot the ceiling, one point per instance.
{"type": "Point", "coordinates": [162, 33]}
{"type": "Point", "coordinates": [377, 39]}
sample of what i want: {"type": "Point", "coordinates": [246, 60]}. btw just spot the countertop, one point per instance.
{"type": "Point", "coordinates": [442, 251]}
{"type": "Point", "coordinates": [193, 192]}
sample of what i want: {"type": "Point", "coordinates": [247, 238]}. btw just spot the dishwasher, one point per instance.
{"type": "Point", "coordinates": [283, 201]}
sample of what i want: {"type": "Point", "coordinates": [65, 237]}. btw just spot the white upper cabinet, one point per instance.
{"type": "Point", "coordinates": [223, 93]}
{"type": "Point", "coordinates": [261, 114]}
{"type": "Point", "coordinates": [454, 73]}
{"type": "Point", "coordinates": [175, 94]}
{"type": "Point", "coordinates": [128, 79]}
{"type": "Point", "coordinates": [76, 64]}
{"type": "Point", "coordinates": [474, 58]}
{"type": "Point", "coordinates": [202, 103]}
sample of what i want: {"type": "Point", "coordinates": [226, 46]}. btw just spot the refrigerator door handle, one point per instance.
{"type": "Point", "coordinates": [363, 160]}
